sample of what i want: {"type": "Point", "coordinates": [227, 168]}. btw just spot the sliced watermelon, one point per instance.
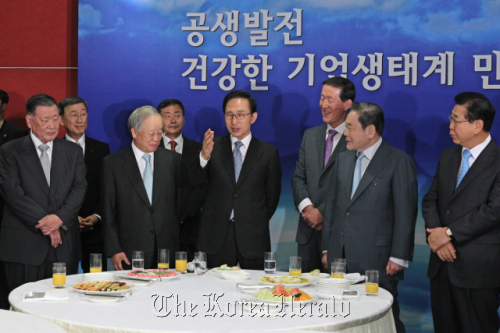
{"type": "Point", "coordinates": [279, 290]}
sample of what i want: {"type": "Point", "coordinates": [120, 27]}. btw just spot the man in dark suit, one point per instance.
{"type": "Point", "coordinates": [372, 203]}
{"type": "Point", "coordinates": [462, 216]}
{"type": "Point", "coordinates": [138, 199]}
{"type": "Point", "coordinates": [8, 132]}
{"type": "Point", "coordinates": [320, 146]}
{"type": "Point", "coordinates": [244, 187]}
{"type": "Point", "coordinates": [42, 179]}
{"type": "Point", "coordinates": [74, 118]}
{"type": "Point", "coordinates": [190, 199]}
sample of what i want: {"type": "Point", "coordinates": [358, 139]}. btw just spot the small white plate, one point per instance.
{"type": "Point", "coordinates": [312, 277]}
{"type": "Point", "coordinates": [283, 280]}
{"type": "Point", "coordinates": [235, 275]}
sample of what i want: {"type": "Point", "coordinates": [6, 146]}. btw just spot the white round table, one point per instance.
{"type": "Point", "coordinates": [11, 321]}
{"type": "Point", "coordinates": [203, 303]}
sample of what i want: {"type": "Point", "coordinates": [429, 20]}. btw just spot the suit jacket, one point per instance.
{"type": "Point", "coordinates": [311, 179]}
{"type": "Point", "coordinates": [130, 221]}
{"type": "Point", "coordinates": [254, 197]}
{"type": "Point", "coordinates": [9, 132]}
{"type": "Point", "coordinates": [379, 221]}
{"type": "Point", "coordinates": [95, 151]}
{"type": "Point", "coordinates": [28, 199]}
{"type": "Point", "coordinates": [472, 212]}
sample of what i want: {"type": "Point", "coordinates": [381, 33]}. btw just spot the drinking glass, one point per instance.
{"type": "Point", "coordinates": [338, 268]}
{"type": "Point", "coordinates": [200, 263]}
{"type": "Point", "coordinates": [371, 285]}
{"type": "Point", "coordinates": [163, 259]}
{"type": "Point", "coordinates": [95, 263]}
{"type": "Point", "coordinates": [269, 262]}
{"type": "Point", "coordinates": [295, 266]}
{"type": "Point", "coordinates": [59, 275]}
{"type": "Point", "coordinates": [181, 261]}
{"type": "Point", "coordinates": [138, 260]}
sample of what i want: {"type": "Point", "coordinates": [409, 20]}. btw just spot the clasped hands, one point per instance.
{"type": "Point", "coordinates": [440, 243]}
{"type": "Point", "coordinates": [313, 217]}
{"type": "Point", "coordinates": [49, 225]}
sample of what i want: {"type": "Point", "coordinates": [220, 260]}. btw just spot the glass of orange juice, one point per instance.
{"type": "Point", "coordinates": [59, 275]}
{"type": "Point", "coordinates": [181, 261]}
{"type": "Point", "coordinates": [95, 263]}
{"type": "Point", "coordinates": [338, 268]}
{"type": "Point", "coordinates": [371, 285]}
{"type": "Point", "coordinates": [163, 259]}
{"type": "Point", "coordinates": [295, 266]}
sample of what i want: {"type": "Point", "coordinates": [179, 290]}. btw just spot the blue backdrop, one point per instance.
{"type": "Point", "coordinates": [409, 57]}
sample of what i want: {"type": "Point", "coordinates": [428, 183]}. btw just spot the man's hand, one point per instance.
{"type": "Point", "coordinates": [49, 224]}
{"type": "Point", "coordinates": [393, 268]}
{"type": "Point", "coordinates": [88, 222]}
{"type": "Point", "coordinates": [208, 145]}
{"type": "Point", "coordinates": [117, 261]}
{"type": "Point", "coordinates": [55, 238]}
{"type": "Point", "coordinates": [437, 238]}
{"type": "Point", "coordinates": [319, 227]}
{"type": "Point", "coordinates": [312, 216]}
{"type": "Point", "coordinates": [447, 253]}
{"type": "Point", "coordinates": [324, 261]}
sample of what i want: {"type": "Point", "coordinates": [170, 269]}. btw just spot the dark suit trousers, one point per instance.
{"type": "Point", "coordinates": [458, 310]}
{"type": "Point", "coordinates": [311, 253]}
{"type": "Point", "coordinates": [4, 289]}
{"type": "Point", "coordinates": [18, 274]}
{"type": "Point", "coordinates": [230, 255]}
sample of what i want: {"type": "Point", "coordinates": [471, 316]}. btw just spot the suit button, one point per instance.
{"type": "Point", "coordinates": [448, 212]}
{"type": "Point", "coordinates": [235, 195]}
{"type": "Point", "coordinates": [347, 214]}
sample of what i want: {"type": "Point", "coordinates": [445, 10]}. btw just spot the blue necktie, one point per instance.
{"type": "Point", "coordinates": [357, 173]}
{"type": "Point", "coordinates": [465, 166]}
{"type": "Point", "coordinates": [238, 160]}
{"type": "Point", "coordinates": [147, 178]}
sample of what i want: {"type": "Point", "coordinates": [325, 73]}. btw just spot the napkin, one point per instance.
{"type": "Point", "coordinates": [250, 287]}
{"type": "Point", "coordinates": [354, 277]}
{"type": "Point", "coordinates": [51, 294]}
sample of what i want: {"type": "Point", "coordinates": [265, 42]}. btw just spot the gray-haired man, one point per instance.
{"type": "Point", "coordinates": [139, 186]}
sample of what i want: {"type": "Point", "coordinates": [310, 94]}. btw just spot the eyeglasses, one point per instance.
{"type": "Point", "coordinates": [238, 116]}
{"type": "Point", "coordinates": [454, 121]}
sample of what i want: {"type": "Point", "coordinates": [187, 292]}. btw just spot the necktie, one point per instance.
{"type": "Point", "coordinates": [329, 145]}
{"type": "Point", "coordinates": [173, 144]}
{"type": "Point", "coordinates": [357, 173]}
{"type": "Point", "coordinates": [465, 166]}
{"type": "Point", "coordinates": [148, 177]}
{"type": "Point", "coordinates": [238, 160]}
{"type": "Point", "coordinates": [44, 160]}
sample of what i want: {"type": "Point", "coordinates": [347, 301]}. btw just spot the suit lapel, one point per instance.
{"type": "Point", "coordinates": [133, 173]}
{"type": "Point", "coordinates": [484, 159]}
{"type": "Point", "coordinates": [159, 175]}
{"type": "Point", "coordinates": [32, 160]}
{"type": "Point", "coordinates": [338, 149]}
{"type": "Point", "coordinates": [252, 156]}
{"type": "Point", "coordinates": [320, 139]}
{"type": "Point", "coordinates": [347, 168]}
{"type": "Point", "coordinates": [380, 159]}
{"type": "Point", "coordinates": [227, 156]}
{"type": "Point", "coordinates": [56, 166]}
{"type": "Point", "coordinates": [452, 174]}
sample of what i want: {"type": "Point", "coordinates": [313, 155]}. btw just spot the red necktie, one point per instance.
{"type": "Point", "coordinates": [172, 145]}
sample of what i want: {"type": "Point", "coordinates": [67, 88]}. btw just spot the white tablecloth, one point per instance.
{"type": "Point", "coordinates": [143, 310]}
{"type": "Point", "coordinates": [11, 321]}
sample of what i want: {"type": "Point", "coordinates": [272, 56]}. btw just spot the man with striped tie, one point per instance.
{"type": "Point", "coordinates": [462, 217]}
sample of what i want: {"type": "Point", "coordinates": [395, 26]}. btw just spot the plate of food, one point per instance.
{"type": "Point", "coordinates": [280, 294]}
{"type": "Point", "coordinates": [235, 275]}
{"type": "Point", "coordinates": [225, 268]}
{"type": "Point", "coordinates": [99, 287]}
{"type": "Point", "coordinates": [314, 275]}
{"type": "Point", "coordinates": [288, 281]}
{"type": "Point", "coordinates": [152, 274]}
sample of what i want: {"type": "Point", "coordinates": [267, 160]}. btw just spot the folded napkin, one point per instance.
{"type": "Point", "coordinates": [354, 277]}
{"type": "Point", "coordinates": [51, 294]}
{"type": "Point", "coordinates": [250, 287]}
{"type": "Point", "coordinates": [338, 294]}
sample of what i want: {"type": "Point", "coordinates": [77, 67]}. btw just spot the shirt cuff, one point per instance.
{"type": "Point", "coordinates": [98, 216]}
{"type": "Point", "coordinates": [303, 204]}
{"type": "Point", "coordinates": [400, 262]}
{"type": "Point", "coordinates": [203, 163]}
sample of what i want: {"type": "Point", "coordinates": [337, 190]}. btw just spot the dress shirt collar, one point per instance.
{"type": "Point", "coordinates": [80, 141]}
{"type": "Point", "coordinates": [477, 150]}
{"type": "Point", "coordinates": [370, 151]}
{"type": "Point", "coordinates": [37, 142]}
{"type": "Point", "coordinates": [140, 161]}
{"type": "Point", "coordinates": [179, 140]}
{"type": "Point", "coordinates": [340, 129]}
{"type": "Point", "coordinates": [246, 141]}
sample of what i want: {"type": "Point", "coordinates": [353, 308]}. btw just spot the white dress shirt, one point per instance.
{"type": "Point", "coordinates": [180, 143]}
{"type": "Point", "coordinates": [37, 143]}
{"type": "Point", "coordinates": [243, 149]}
{"type": "Point", "coordinates": [140, 161]}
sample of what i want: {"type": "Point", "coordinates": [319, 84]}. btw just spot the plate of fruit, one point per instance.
{"type": "Point", "coordinates": [99, 287]}
{"type": "Point", "coordinates": [288, 281]}
{"type": "Point", "coordinates": [280, 294]}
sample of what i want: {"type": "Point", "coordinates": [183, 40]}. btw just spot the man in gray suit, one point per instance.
{"type": "Point", "coordinates": [372, 203]}
{"type": "Point", "coordinates": [320, 146]}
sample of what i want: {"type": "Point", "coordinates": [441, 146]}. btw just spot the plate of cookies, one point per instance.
{"type": "Point", "coordinates": [101, 287]}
